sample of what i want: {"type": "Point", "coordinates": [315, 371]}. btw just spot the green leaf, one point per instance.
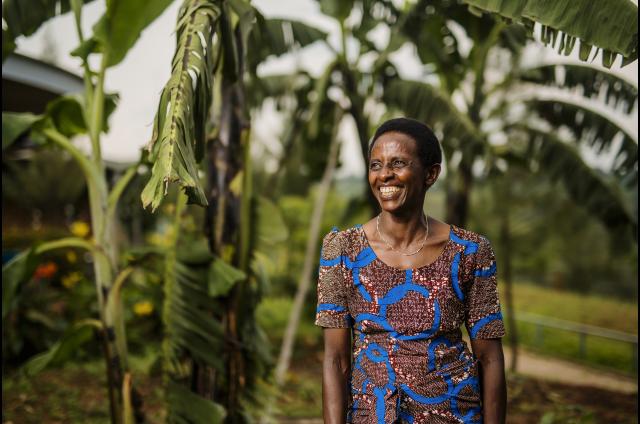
{"type": "Point", "coordinates": [14, 125]}
{"type": "Point", "coordinates": [275, 37]}
{"type": "Point", "coordinates": [320, 89]}
{"type": "Point", "coordinates": [188, 407]}
{"type": "Point", "coordinates": [67, 115]}
{"type": "Point", "coordinates": [64, 349]}
{"type": "Point", "coordinates": [591, 81]}
{"type": "Point", "coordinates": [85, 48]}
{"type": "Point", "coordinates": [592, 128]}
{"type": "Point", "coordinates": [123, 23]}
{"type": "Point", "coordinates": [338, 9]}
{"type": "Point", "coordinates": [595, 192]}
{"type": "Point", "coordinates": [613, 28]}
{"type": "Point", "coordinates": [14, 273]}
{"type": "Point", "coordinates": [222, 277]}
{"type": "Point", "coordinates": [24, 17]}
{"type": "Point", "coordinates": [428, 104]}
{"type": "Point", "coordinates": [179, 129]}
{"type": "Point", "coordinates": [271, 228]}
{"type": "Point", "coordinates": [195, 252]}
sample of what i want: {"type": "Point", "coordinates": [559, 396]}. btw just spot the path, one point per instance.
{"type": "Point", "coordinates": [550, 369]}
{"type": "Point", "coordinates": [566, 372]}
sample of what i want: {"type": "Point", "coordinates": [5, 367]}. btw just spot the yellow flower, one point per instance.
{"type": "Point", "coordinates": [72, 258]}
{"type": "Point", "coordinates": [143, 308]}
{"type": "Point", "coordinates": [80, 228]}
{"type": "Point", "coordinates": [70, 280]}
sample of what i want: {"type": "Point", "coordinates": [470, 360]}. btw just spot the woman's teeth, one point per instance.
{"type": "Point", "coordinates": [389, 191]}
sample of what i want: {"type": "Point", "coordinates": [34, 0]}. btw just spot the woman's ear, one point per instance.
{"type": "Point", "coordinates": [432, 174]}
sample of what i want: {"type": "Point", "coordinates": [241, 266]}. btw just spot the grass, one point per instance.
{"type": "Point", "coordinates": [586, 309]}
{"type": "Point", "coordinates": [75, 393]}
{"type": "Point", "coordinates": [595, 310]}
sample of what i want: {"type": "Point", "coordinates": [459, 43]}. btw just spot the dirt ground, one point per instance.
{"type": "Point", "coordinates": [78, 395]}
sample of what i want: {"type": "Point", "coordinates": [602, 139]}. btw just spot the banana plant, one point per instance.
{"type": "Point", "coordinates": [203, 113]}
{"type": "Point", "coordinates": [613, 29]}
{"type": "Point", "coordinates": [113, 35]}
{"type": "Point", "coordinates": [591, 127]}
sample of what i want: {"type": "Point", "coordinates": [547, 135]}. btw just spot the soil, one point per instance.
{"type": "Point", "coordinates": [78, 395]}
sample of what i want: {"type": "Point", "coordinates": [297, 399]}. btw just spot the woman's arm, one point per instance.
{"type": "Point", "coordinates": [493, 385]}
{"type": "Point", "coordinates": [335, 374]}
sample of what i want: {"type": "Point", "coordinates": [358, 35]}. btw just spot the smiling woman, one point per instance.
{"type": "Point", "coordinates": [401, 286]}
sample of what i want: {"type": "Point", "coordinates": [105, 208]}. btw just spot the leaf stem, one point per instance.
{"type": "Point", "coordinates": [97, 112]}
{"type": "Point", "coordinates": [118, 189]}
{"type": "Point", "coordinates": [66, 242]}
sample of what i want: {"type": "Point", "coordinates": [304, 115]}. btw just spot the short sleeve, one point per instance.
{"type": "Point", "coordinates": [483, 317]}
{"type": "Point", "coordinates": [332, 310]}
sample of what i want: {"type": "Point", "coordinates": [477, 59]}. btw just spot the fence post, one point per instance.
{"type": "Point", "coordinates": [583, 344]}
{"type": "Point", "coordinates": [539, 335]}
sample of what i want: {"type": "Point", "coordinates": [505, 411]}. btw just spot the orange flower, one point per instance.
{"type": "Point", "coordinates": [45, 270]}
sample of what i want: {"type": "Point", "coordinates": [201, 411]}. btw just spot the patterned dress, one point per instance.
{"type": "Point", "coordinates": [410, 363]}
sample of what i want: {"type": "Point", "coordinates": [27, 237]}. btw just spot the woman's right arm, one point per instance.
{"type": "Point", "coordinates": [336, 370]}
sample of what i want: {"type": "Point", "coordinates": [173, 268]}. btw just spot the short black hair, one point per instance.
{"type": "Point", "coordinates": [429, 150]}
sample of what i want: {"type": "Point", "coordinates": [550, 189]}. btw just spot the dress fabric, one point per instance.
{"type": "Point", "coordinates": [409, 361]}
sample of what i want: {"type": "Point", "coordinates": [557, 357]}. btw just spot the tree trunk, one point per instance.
{"type": "Point", "coordinates": [226, 216]}
{"type": "Point", "coordinates": [288, 340]}
{"type": "Point", "coordinates": [458, 192]}
{"type": "Point", "coordinates": [505, 241]}
{"type": "Point", "coordinates": [309, 259]}
{"type": "Point", "coordinates": [357, 112]}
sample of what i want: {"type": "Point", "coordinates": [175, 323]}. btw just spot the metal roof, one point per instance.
{"type": "Point", "coordinates": [39, 74]}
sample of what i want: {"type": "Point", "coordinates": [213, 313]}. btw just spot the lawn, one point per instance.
{"type": "Point", "coordinates": [586, 309]}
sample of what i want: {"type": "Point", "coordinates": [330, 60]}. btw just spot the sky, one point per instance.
{"type": "Point", "coordinates": [139, 78]}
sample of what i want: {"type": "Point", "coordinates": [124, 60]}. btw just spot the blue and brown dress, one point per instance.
{"type": "Point", "coordinates": [410, 363]}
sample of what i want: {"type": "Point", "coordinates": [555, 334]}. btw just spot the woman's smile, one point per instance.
{"type": "Point", "coordinates": [389, 192]}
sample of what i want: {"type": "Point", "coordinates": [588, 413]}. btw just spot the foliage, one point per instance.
{"type": "Point", "coordinates": [113, 35]}
{"type": "Point", "coordinates": [49, 181]}
{"type": "Point", "coordinates": [573, 249]}
{"type": "Point", "coordinates": [179, 129]}
{"type": "Point", "coordinates": [531, 137]}
{"type": "Point", "coordinates": [25, 17]}
{"type": "Point", "coordinates": [613, 29]}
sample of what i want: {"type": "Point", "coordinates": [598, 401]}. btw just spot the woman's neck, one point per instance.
{"type": "Point", "coordinates": [402, 230]}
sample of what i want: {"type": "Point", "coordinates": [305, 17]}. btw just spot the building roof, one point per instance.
{"type": "Point", "coordinates": [29, 84]}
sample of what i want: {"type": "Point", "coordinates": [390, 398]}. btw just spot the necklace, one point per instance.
{"type": "Point", "coordinates": [425, 221]}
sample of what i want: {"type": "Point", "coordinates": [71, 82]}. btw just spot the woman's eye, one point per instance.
{"type": "Point", "coordinates": [374, 166]}
{"type": "Point", "coordinates": [399, 163]}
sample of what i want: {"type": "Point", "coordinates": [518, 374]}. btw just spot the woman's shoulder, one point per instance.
{"type": "Point", "coordinates": [341, 240]}
{"type": "Point", "coordinates": [470, 239]}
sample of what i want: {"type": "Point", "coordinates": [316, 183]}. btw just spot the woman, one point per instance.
{"type": "Point", "coordinates": [393, 294]}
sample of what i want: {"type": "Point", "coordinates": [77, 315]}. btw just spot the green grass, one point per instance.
{"type": "Point", "coordinates": [586, 309]}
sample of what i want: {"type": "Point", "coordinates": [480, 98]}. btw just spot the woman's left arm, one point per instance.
{"type": "Point", "coordinates": [493, 385]}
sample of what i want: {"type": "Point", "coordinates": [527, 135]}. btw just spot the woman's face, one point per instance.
{"type": "Point", "coordinates": [396, 175]}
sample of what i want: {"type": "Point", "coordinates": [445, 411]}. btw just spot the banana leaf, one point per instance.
{"type": "Point", "coordinates": [179, 128]}
{"type": "Point", "coordinates": [24, 17]}
{"type": "Point", "coordinates": [612, 27]}
{"type": "Point", "coordinates": [618, 92]}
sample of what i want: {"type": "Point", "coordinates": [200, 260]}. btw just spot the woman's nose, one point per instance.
{"type": "Point", "coordinates": [386, 173]}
